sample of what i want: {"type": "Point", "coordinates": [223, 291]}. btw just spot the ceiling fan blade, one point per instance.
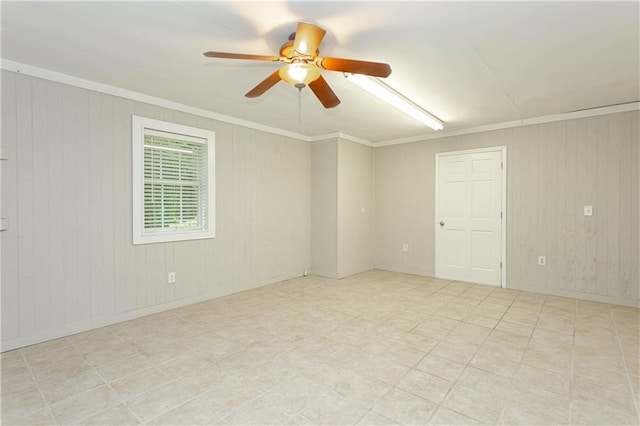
{"type": "Point", "coordinates": [308, 38]}
{"type": "Point", "coordinates": [324, 93]}
{"type": "Point", "coordinates": [226, 55]}
{"type": "Point", "coordinates": [264, 85]}
{"type": "Point", "coordinates": [374, 69]}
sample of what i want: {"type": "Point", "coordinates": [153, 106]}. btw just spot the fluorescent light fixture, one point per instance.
{"type": "Point", "coordinates": [390, 96]}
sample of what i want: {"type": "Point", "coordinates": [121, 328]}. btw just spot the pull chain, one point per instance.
{"type": "Point", "coordinates": [299, 109]}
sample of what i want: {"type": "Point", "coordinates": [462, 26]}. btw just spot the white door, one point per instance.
{"type": "Point", "coordinates": [469, 217]}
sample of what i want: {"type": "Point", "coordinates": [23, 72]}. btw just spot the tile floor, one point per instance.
{"type": "Point", "coordinates": [376, 348]}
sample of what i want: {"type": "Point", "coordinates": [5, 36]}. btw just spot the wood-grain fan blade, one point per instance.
{"type": "Point", "coordinates": [308, 38]}
{"type": "Point", "coordinates": [264, 85]}
{"type": "Point", "coordinates": [374, 69]}
{"type": "Point", "coordinates": [324, 93]}
{"type": "Point", "coordinates": [226, 55]}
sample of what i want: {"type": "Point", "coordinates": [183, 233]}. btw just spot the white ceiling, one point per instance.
{"type": "Point", "coordinates": [470, 64]}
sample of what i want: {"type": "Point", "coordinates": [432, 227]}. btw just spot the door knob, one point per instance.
{"type": "Point", "coordinates": [441, 223]}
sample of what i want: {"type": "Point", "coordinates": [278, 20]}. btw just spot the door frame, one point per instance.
{"type": "Point", "coordinates": [503, 243]}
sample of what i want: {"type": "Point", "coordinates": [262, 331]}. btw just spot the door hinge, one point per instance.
{"type": "Point", "coordinates": [500, 215]}
{"type": "Point", "coordinates": [500, 265]}
{"type": "Point", "coordinates": [501, 165]}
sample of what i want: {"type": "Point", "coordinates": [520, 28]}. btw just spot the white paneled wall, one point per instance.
{"type": "Point", "coordinates": [324, 208]}
{"type": "Point", "coordinates": [342, 185]}
{"type": "Point", "coordinates": [355, 193]}
{"type": "Point", "coordinates": [554, 170]}
{"type": "Point", "coordinates": [67, 259]}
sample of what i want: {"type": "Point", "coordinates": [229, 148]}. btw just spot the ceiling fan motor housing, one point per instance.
{"type": "Point", "coordinates": [287, 51]}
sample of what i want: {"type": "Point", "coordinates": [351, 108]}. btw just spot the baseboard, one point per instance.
{"type": "Point", "coordinates": [354, 272]}
{"type": "Point", "coordinates": [421, 272]}
{"type": "Point", "coordinates": [92, 324]}
{"type": "Point", "coordinates": [82, 326]}
{"type": "Point", "coordinates": [634, 303]}
{"type": "Point", "coordinates": [613, 300]}
{"type": "Point", "coordinates": [323, 274]}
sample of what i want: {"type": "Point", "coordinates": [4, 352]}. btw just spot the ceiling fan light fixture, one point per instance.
{"type": "Point", "coordinates": [395, 99]}
{"type": "Point", "coordinates": [299, 73]}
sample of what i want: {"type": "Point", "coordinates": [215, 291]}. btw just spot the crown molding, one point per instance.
{"type": "Point", "coordinates": [593, 112]}
{"type": "Point", "coordinates": [356, 139]}
{"type": "Point", "coordinates": [32, 71]}
{"type": "Point", "coordinates": [324, 137]}
{"type": "Point", "coordinates": [345, 136]}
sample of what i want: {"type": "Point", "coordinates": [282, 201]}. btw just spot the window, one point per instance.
{"type": "Point", "coordinates": [173, 182]}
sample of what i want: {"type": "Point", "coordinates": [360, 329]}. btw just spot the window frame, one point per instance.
{"type": "Point", "coordinates": [139, 126]}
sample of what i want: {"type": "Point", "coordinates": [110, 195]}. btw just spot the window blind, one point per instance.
{"type": "Point", "coordinates": [175, 182]}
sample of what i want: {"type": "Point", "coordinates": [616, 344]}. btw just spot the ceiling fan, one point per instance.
{"type": "Point", "coordinates": [303, 64]}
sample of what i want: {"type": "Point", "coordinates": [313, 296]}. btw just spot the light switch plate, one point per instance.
{"type": "Point", "coordinates": [588, 210]}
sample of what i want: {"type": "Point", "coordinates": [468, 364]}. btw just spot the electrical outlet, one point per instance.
{"type": "Point", "coordinates": [542, 261]}
{"type": "Point", "coordinates": [171, 278]}
{"type": "Point", "coordinates": [405, 248]}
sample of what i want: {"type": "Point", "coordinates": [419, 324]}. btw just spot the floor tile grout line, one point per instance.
{"type": "Point", "coordinates": [573, 359]}
{"type": "Point", "coordinates": [455, 382]}
{"type": "Point", "coordinates": [519, 363]}
{"type": "Point", "coordinates": [395, 385]}
{"type": "Point", "coordinates": [246, 402]}
{"type": "Point", "coordinates": [501, 414]}
{"type": "Point", "coordinates": [108, 386]}
{"type": "Point", "coordinates": [624, 362]}
{"type": "Point", "coordinates": [153, 365]}
{"type": "Point", "coordinates": [190, 400]}
{"type": "Point", "coordinates": [35, 382]}
{"type": "Point", "coordinates": [401, 303]}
